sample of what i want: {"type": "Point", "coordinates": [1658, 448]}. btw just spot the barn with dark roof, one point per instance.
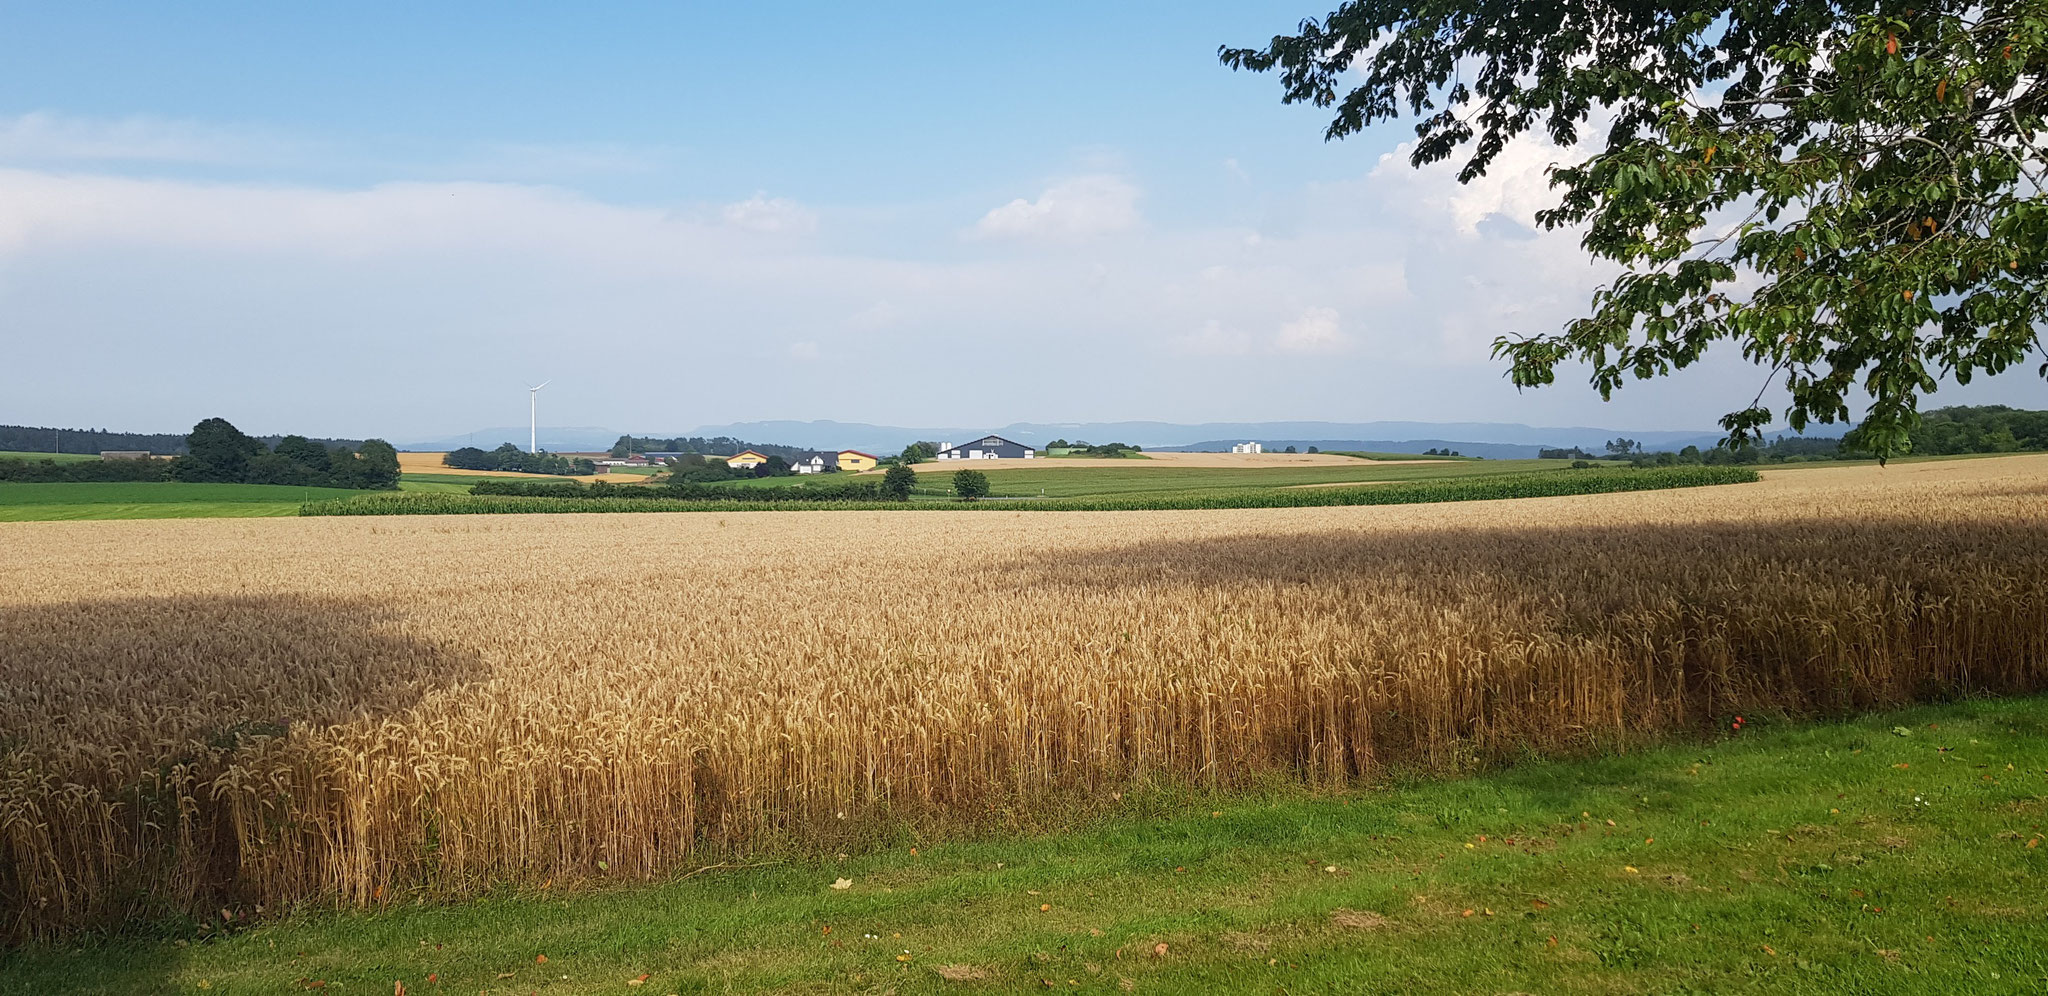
{"type": "Point", "coordinates": [988, 448]}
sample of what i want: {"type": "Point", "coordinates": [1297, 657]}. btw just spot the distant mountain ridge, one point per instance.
{"type": "Point", "coordinates": [1497, 440]}
{"type": "Point", "coordinates": [1500, 439]}
{"type": "Point", "coordinates": [1491, 451]}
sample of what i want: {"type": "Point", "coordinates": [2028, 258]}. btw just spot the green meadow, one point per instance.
{"type": "Point", "coordinates": [1896, 853]}
{"type": "Point", "coordinates": [154, 500]}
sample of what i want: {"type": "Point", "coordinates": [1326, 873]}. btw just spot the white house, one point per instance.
{"type": "Point", "coordinates": [814, 463]}
{"type": "Point", "coordinates": [1247, 448]}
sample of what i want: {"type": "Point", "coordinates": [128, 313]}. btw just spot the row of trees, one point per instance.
{"type": "Point", "coordinates": [696, 468]}
{"type": "Point", "coordinates": [49, 439]}
{"type": "Point", "coordinates": [216, 452]}
{"type": "Point", "coordinates": [699, 445]}
{"type": "Point", "coordinates": [1949, 431]}
{"type": "Point", "coordinates": [508, 457]}
{"type": "Point", "coordinates": [1084, 448]}
{"type": "Point", "coordinates": [47, 471]}
{"type": "Point", "coordinates": [91, 442]}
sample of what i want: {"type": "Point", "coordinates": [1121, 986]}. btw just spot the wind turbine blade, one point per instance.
{"type": "Point", "coordinates": [544, 383]}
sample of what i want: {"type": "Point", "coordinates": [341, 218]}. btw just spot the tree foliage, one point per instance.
{"type": "Point", "coordinates": [508, 457]}
{"type": "Point", "coordinates": [970, 485]}
{"type": "Point", "coordinates": [711, 445]}
{"type": "Point", "coordinates": [1850, 190]}
{"type": "Point", "coordinates": [217, 452]}
{"type": "Point", "coordinates": [898, 482]}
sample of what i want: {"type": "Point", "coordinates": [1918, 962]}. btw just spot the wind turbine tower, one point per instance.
{"type": "Point", "coordinates": [533, 416]}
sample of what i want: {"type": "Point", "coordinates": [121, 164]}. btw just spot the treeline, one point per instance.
{"type": "Point", "coordinates": [46, 471]}
{"type": "Point", "coordinates": [1087, 449]}
{"type": "Point", "coordinates": [92, 442]}
{"type": "Point", "coordinates": [215, 452]}
{"type": "Point", "coordinates": [707, 445]}
{"type": "Point", "coordinates": [508, 457]}
{"type": "Point", "coordinates": [1951, 431]}
{"type": "Point", "coordinates": [1980, 429]}
{"type": "Point", "coordinates": [48, 439]}
{"type": "Point", "coordinates": [696, 468]}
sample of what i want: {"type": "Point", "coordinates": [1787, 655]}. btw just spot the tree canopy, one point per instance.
{"type": "Point", "coordinates": [1850, 191]}
{"type": "Point", "coordinates": [508, 457]}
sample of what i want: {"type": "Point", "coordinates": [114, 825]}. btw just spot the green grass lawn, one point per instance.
{"type": "Point", "coordinates": [58, 457]}
{"type": "Point", "coordinates": [1898, 853]}
{"type": "Point", "coordinates": [154, 500]}
{"type": "Point", "coordinates": [1073, 482]}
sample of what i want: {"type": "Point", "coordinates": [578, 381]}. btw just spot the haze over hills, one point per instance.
{"type": "Point", "coordinates": [1498, 440]}
{"type": "Point", "coordinates": [1493, 439]}
{"type": "Point", "coordinates": [1490, 439]}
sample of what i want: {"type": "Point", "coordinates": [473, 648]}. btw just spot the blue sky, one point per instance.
{"type": "Point", "coordinates": [381, 218]}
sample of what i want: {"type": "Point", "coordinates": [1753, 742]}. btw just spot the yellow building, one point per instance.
{"type": "Point", "coordinates": [745, 460]}
{"type": "Point", "coordinates": [854, 461]}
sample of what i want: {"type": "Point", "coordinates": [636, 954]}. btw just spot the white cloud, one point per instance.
{"type": "Point", "coordinates": [41, 136]}
{"type": "Point", "coordinates": [1214, 339]}
{"type": "Point", "coordinates": [1316, 331]}
{"type": "Point", "coordinates": [200, 295]}
{"type": "Point", "coordinates": [1080, 207]}
{"type": "Point", "coordinates": [879, 315]}
{"type": "Point", "coordinates": [772, 215]}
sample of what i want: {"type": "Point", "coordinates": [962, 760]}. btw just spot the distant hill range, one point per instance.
{"type": "Point", "coordinates": [1498, 440]}
{"type": "Point", "coordinates": [1491, 451]}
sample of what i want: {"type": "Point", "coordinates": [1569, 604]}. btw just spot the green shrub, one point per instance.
{"type": "Point", "coordinates": [898, 482]}
{"type": "Point", "coordinates": [970, 484]}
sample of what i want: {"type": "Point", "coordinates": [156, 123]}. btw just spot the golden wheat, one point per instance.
{"type": "Point", "coordinates": [199, 714]}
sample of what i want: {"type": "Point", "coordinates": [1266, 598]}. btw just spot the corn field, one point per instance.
{"type": "Point", "coordinates": [252, 716]}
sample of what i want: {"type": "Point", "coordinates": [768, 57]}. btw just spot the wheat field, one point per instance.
{"type": "Point", "coordinates": [250, 716]}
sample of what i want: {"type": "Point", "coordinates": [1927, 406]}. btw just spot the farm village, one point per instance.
{"type": "Point", "coordinates": [1414, 498]}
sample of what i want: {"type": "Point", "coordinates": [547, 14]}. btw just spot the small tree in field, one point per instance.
{"type": "Point", "coordinates": [896, 484]}
{"type": "Point", "coordinates": [970, 484]}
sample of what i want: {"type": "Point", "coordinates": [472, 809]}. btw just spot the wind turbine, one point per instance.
{"type": "Point", "coordinates": [533, 416]}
